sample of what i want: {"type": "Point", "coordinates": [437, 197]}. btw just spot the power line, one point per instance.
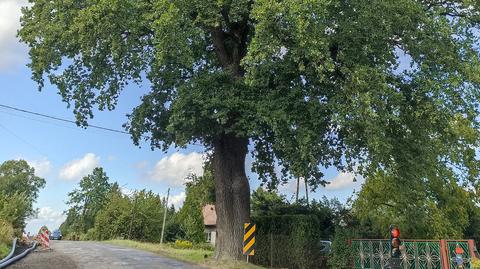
{"type": "Point", "coordinates": [49, 122]}
{"type": "Point", "coordinates": [60, 119]}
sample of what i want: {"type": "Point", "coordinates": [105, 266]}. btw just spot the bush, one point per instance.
{"type": "Point", "coordinates": [475, 264]}
{"type": "Point", "coordinates": [288, 241]}
{"type": "Point", "coordinates": [183, 244]}
{"type": "Point", "coordinates": [6, 232]}
{"type": "Point", "coordinates": [341, 251]}
{"type": "Point", "coordinates": [204, 246]}
{"type": "Point", "coordinates": [91, 234]}
{"type": "Point", "coordinates": [74, 236]}
{"type": "Point", "coordinates": [4, 250]}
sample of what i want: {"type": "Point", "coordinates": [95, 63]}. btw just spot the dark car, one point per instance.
{"type": "Point", "coordinates": [56, 235]}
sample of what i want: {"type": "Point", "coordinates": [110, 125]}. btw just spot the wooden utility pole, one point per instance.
{"type": "Point", "coordinates": [306, 190]}
{"type": "Point", "coordinates": [298, 189]}
{"type": "Point", "coordinates": [165, 216]}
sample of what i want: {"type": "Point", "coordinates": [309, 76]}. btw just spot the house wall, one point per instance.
{"type": "Point", "coordinates": [211, 234]}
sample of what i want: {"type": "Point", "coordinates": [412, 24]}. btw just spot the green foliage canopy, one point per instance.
{"type": "Point", "coordinates": [435, 209]}
{"type": "Point", "coordinates": [19, 189]}
{"type": "Point", "coordinates": [113, 220]}
{"type": "Point", "coordinates": [310, 83]}
{"type": "Point", "coordinates": [86, 201]}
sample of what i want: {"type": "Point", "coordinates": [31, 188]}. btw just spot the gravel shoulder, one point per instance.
{"type": "Point", "coordinates": [45, 259]}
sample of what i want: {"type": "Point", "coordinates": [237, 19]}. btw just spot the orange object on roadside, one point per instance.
{"type": "Point", "coordinates": [44, 237]}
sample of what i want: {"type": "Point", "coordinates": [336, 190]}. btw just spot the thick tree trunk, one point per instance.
{"type": "Point", "coordinates": [232, 195]}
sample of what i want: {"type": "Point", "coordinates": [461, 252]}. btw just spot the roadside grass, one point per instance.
{"type": "Point", "coordinates": [193, 255]}
{"type": "Point", "coordinates": [188, 255]}
{"type": "Point", "coordinates": [4, 250]}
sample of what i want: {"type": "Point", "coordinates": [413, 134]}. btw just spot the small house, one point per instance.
{"type": "Point", "coordinates": [210, 223]}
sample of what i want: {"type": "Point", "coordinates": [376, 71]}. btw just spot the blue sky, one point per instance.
{"type": "Point", "coordinates": [63, 153]}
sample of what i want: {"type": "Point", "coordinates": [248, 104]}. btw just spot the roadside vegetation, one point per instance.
{"type": "Point", "coordinates": [289, 228]}
{"type": "Point", "coordinates": [197, 254]}
{"type": "Point", "coordinates": [193, 254]}
{"type": "Point", "coordinates": [6, 235]}
{"type": "Point", "coordinates": [101, 210]}
{"type": "Point", "coordinates": [19, 188]}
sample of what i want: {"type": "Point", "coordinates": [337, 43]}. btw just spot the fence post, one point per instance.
{"type": "Point", "coordinates": [471, 244]}
{"type": "Point", "coordinates": [444, 254]}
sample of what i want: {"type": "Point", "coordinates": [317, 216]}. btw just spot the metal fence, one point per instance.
{"type": "Point", "coordinates": [417, 254]}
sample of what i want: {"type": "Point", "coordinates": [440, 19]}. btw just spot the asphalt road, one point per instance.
{"type": "Point", "coordinates": [94, 255]}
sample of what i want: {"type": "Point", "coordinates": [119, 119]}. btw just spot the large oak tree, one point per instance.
{"type": "Point", "coordinates": [301, 84]}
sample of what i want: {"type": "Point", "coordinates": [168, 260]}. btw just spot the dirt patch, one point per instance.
{"type": "Point", "coordinates": [45, 259]}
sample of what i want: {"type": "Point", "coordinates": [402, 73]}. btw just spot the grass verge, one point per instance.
{"type": "Point", "coordinates": [4, 250]}
{"type": "Point", "coordinates": [195, 256]}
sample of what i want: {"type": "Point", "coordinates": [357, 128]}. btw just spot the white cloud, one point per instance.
{"type": "Point", "coordinates": [42, 167]}
{"type": "Point", "coordinates": [11, 51]}
{"type": "Point", "coordinates": [174, 169]}
{"type": "Point", "coordinates": [177, 200]}
{"type": "Point", "coordinates": [46, 216]}
{"type": "Point", "coordinates": [79, 168]}
{"type": "Point", "coordinates": [344, 180]}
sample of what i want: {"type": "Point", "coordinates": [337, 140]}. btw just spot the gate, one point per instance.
{"type": "Point", "coordinates": [418, 254]}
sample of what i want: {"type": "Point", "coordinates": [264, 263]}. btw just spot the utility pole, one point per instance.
{"type": "Point", "coordinates": [306, 190]}
{"type": "Point", "coordinates": [165, 216]}
{"type": "Point", "coordinates": [134, 211]}
{"type": "Point", "coordinates": [298, 189]}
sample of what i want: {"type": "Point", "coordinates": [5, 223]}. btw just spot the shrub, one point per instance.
{"type": "Point", "coordinates": [6, 232]}
{"type": "Point", "coordinates": [74, 236]}
{"type": "Point", "coordinates": [204, 246]}
{"type": "Point", "coordinates": [91, 234]}
{"type": "Point", "coordinates": [4, 250]}
{"type": "Point", "coordinates": [341, 251]}
{"type": "Point", "coordinates": [183, 244]}
{"type": "Point", "coordinates": [83, 237]}
{"type": "Point", "coordinates": [475, 264]}
{"type": "Point", "coordinates": [288, 241]}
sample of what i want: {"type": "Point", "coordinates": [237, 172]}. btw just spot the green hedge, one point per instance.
{"type": "Point", "coordinates": [288, 241]}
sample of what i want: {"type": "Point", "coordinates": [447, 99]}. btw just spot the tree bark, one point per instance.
{"type": "Point", "coordinates": [232, 195]}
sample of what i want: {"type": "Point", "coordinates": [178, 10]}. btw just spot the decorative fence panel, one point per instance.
{"type": "Point", "coordinates": [467, 257]}
{"type": "Point", "coordinates": [417, 254]}
{"type": "Point", "coordinates": [422, 255]}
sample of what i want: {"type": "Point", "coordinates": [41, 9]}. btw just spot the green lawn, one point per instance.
{"type": "Point", "coordinates": [195, 256]}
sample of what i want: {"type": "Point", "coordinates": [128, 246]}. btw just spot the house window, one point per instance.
{"type": "Point", "coordinates": [209, 237]}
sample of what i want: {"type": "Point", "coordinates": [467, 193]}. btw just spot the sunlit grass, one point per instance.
{"type": "Point", "coordinates": [196, 256]}
{"type": "Point", "coordinates": [4, 250]}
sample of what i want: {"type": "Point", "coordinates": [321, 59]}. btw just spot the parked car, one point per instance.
{"type": "Point", "coordinates": [56, 235]}
{"type": "Point", "coordinates": [326, 247]}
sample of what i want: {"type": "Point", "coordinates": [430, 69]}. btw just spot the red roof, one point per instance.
{"type": "Point", "coordinates": [209, 215]}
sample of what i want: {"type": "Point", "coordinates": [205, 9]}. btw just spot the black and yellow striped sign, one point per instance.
{"type": "Point", "coordinates": [249, 239]}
